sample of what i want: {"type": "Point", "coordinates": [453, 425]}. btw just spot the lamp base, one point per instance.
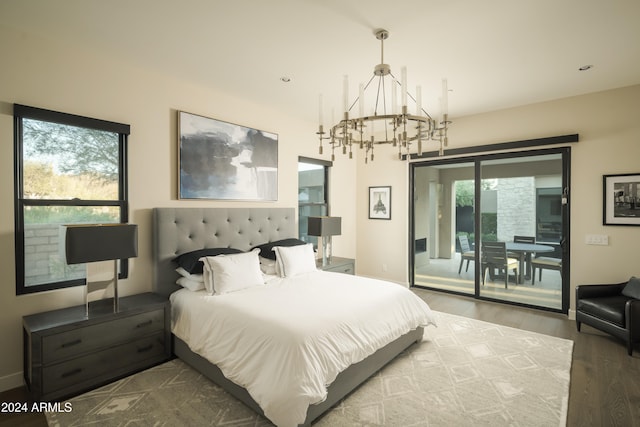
{"type": "Point", "coordinates": [326, 250]}
{"type": "Point", "coordinates": [100, 275]}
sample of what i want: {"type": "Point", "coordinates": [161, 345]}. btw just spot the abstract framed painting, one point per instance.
{"type": "Point", "coordinates": [621, 199]}
{"type": "Point", "coordinates": [380, 202]}
{"type": "Point", "coordinates": [224, 161]}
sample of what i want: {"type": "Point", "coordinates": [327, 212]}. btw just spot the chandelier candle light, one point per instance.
{"type": "Point", "coordinates": [400, 129]}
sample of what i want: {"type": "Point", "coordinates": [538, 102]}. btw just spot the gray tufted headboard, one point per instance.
{"type": "Point", "coordinates": [180, 230]}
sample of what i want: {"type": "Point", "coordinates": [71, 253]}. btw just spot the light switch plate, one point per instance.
{"type": "Point", "coordinates": [597, 239]}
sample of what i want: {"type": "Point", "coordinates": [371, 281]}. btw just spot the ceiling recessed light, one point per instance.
{"type": "Point", "coordinates": [585, 67]}
{"type": "Point", "coordinates": [285, 79]}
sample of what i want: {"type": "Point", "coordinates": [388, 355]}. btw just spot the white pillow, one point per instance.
{"type": "Point", "coordinates": [294, 260]}
{"type": "Point", "coordinates": [207, 274]}
{"type": "Point", "coordinates": [194, 277]}
{"type": "Point", "coordinates": [230, 273]}
{"type": "Point", "coordinates": [269, 266]}
{"type": "Point", "coordinates": [191, 285]}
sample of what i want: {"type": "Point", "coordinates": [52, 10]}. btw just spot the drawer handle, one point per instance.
{"type": "Point", "coordinates": [143, 324]}
{"type": "Point", "coordinates": [145, 349]}
{"type": "Point", "coordinates": [71, 343]}
{"type": "Point", "coordinates": [70, 373]}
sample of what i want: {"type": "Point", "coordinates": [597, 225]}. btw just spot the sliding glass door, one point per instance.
{"type": "Point", "coordinates": [482, 227]}
{"type": "Point", "coordinates": [444, 205]}
{"type": "Point", "coordinates": [521, 210]}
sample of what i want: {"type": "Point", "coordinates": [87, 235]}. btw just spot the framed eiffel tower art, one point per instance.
{"type": "Point", "coordinates": [380, 202]}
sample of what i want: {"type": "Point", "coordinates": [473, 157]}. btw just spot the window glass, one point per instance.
{"type": "Point", "coordinates": [44, 252]}
{"type": "Point", "coordinates": [64, 162]}
{"type": "Point", "coordinates": [311, 183]}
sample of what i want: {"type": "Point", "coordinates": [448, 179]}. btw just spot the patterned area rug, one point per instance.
{"type": "Point", "coordinates": [464, 373]}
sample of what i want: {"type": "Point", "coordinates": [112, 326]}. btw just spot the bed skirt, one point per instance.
{"type": "Point", "coordinates": [347, 381]}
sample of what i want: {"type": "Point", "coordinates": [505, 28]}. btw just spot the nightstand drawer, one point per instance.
{"type": "Point", "coordinates": [78, 341]}
{"type": "Point", "coordinates": [338, 265]}
{"type": "Point", "coordinates": [104, 363]}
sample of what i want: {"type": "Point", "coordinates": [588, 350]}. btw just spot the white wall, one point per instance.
{"type": "Point", "coordinates": [609, 130]}
{"type": "Point", "coordinates": [76, 79]}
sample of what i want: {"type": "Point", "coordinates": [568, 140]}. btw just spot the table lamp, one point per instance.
{"type": "Point", "coordinates": [90, 243]}
{"type": "Point", "coordinates": [325, 227]}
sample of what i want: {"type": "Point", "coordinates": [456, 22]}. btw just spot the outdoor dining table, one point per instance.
{"type": "Point", "coordinates": [526, 251]}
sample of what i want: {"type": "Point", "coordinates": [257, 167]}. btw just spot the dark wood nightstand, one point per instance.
{"type": "Point", "coordinates": [66, 353]}
{"type": "Point", "coordinates": [339, 265]}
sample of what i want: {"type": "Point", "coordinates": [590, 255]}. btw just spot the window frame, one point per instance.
{"type": "Point", "coordinates": [21, 112]}
{"type": "Point", "coordinates": [326, 164]}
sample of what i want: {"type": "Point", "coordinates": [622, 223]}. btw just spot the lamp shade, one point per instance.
{"type": "Point", "coordinates": [100, 242]}
{"type": "Point", "coordinates": [324, 226]}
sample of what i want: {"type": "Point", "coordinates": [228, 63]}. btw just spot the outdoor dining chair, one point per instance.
{"type": "Point", "coordinates": [466, 253]}
{"type": "Point", "coordinates": [494, 256]}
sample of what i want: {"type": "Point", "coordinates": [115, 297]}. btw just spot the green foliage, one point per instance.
{"type": "Point", "coordinates": [38, 179]}
{"type": "Point", "coordinates": [465, 190]}
{"type": "Point", "coordinates": [464, 193]}
{"type": "Point", "coordinates": [489, 224]}
{"type": "Point", "coordinates": [42, 182]}
{"type": "Point", "coordinates": [67, 215]}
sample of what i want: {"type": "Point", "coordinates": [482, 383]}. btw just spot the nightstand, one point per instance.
{"type": "Point", "coordinates": [339, 265]}
{"type": "Point", "coordinates": [66, 353]}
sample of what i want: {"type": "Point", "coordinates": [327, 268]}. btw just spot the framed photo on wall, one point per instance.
{"type": "Point", "coordinates": [621, 199]}
{"type": "Point", "coordinates": [224, 161]}
{"type": "Point", "coordinates": [379, 202]}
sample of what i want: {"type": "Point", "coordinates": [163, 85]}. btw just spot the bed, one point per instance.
{"type": "Point", "coordinates": [181, 230]}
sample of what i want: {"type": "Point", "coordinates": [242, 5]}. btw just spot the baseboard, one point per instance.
{"type": "Point", "coordinates": [572, 315]}
{"type": "Point", "coordinates": [11, 381]}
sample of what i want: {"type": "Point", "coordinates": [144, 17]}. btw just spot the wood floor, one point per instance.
{"type": "Point", "coordinates": [605, 381]}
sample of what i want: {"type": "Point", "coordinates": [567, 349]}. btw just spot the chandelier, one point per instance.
{"type": "Point", "coordinates": [396, 128]}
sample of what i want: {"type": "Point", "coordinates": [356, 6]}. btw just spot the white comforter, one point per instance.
{"type": "Point", "coordinates": [285, 342]}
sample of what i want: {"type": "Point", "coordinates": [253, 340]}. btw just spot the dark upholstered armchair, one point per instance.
{"type": "Point", "coordinates": [614, 309]}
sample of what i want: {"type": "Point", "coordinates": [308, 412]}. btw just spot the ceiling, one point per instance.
{"type": "Point", "coordinates": [495, 54]}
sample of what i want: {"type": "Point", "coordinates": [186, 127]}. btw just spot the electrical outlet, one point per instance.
{"type": "Point", "coordinates": [384, 267]}
{"type": "Point", "coordinates": [597, 239]}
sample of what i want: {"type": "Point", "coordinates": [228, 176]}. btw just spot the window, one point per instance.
{"type": "Point", "coordinates": [68, 170]}
{"type": "Point", "coordinates": [313, 198]}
